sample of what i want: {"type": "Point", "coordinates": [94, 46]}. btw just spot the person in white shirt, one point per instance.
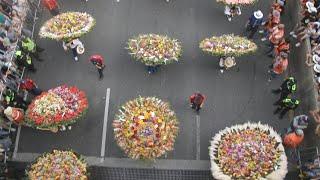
{"type": "Point", "coordinates": [231, 11]}
{"type": "Point", "coordinates": [73, 44]}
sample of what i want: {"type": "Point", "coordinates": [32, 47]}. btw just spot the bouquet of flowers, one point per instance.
{"type": "Point", "coordinates": [237, 2]}
{"type": "Point", "coordinates": [69, 25]}
{"type": "Point", "coordinates": [248, 151]}
{"type": "Point", "coordinates": [59, 106]}
{"type": "Point", "coordinates": [228, 45]}
{"type": "Point", "coordinates": [153, 49]}
{"type": "Point", "coordinates": [145, 128]}
{"type": "Point", "coordinates": [58, 165]}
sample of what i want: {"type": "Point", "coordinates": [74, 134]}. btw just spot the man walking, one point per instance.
{"type": "Point", "coordinates": [196, 101]}
{"type": "Point", "coordinates": [254, 23]}
{"type": "Point", "coordinates": [73, 44]}
{"type": "Point", "coordinates": [287, 87]}
{"type": "Point", "coordinates": [98, 62]}
{"type": "Point", "coordinates": [285, 105]}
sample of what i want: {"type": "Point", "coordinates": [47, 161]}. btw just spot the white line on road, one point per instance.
{"type": "Point", "coordinates": [105, 124]}
{"type": "Point", "coordinates": [198, 137]}
{"type": "Point", "coordinates": [16, 144]}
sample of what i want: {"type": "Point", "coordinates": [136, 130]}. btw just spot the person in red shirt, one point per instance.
{"type": "Point", "coordinates": [30, 86]}
{"type": "Point", "coordinates": [279, 65]}
{"type": "Point", "coordinates": [98, 62]}
{"type": "Point", "coordinates": [52, 6]}
{"type": "Point", "coordinates": [196, 101]}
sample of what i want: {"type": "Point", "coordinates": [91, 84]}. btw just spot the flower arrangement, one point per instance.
{"type": "Point", "coordinates": [59, 106]}
{"type": "Point", "coordinates": [237, 2]}
{"type": "Point", "coordinates": [58, 165]}
{"type": "Point", "coordinates": [66, 26]}
{"type": "Point", "coordinates": [248, 151]}
{"type": "Point", "coordinates": [145, 128]}
{"type": "Point", "coordinates": [153, 49]}
{"type": "Point", "coordinates": [228, 45]}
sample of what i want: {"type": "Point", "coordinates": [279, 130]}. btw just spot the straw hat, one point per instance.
{"type": "Point", "coordinates": [8, 111]}
{"type": "Point", "coordinates": [316, 68]}
{"type": "Point", "coordinates": [258, 14]}
{"type": "Point", "coordinates": [229, 62]}
{"type": "Point", "coordinates": [316, 58]}
{"type": "Point", "coordinates": [311, 7]}
{"type": "Point", "coordinates": [80, 49]}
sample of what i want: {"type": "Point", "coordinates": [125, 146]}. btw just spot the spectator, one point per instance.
{"type": "Point", "coordinates": [298, 122]}
{"type": "Point", "coordinates": [97, 60]}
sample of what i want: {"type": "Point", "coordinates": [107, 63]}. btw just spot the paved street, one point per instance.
{"type": "Point", "coordinates": [239, 95]}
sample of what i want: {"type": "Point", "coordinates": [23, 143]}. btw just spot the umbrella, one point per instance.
{"type": "Point", "coordinates": [228, 45]}
{"type": "Point", "coordinates": [237, 1]}
{"type": "Point", "coordinates": [69, 25]}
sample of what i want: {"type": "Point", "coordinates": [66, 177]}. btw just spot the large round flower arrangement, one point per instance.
{"type": "Point", "coordinates": [228, 45]}
{"type": "Point", "coordinates": [248, 151]}
{"type": "Point", "coordinates": [58, 165]}
{"type": "Point", "coordinates": [153, 49]}
{"type": "Point", "coordinates": [62, 105]}
{"type": "Point", "coordinates": [145, 128]}
{"type": "Point", "coordinates": [67, 25]}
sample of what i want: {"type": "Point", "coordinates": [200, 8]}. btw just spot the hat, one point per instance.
{"type": "Point", "coordinates": [258, 14]}
{"type": "Point", "coordinates": [80, 49]}
{"type": "Point", "coordinates": [316, 58]}
{"type": "Point", "coordinates": [316, 68]}
{"type": "Point", "coordinates": [8, 111]}
{"type": "Point", "coordinates": [229, 62]}
{"type": "Point", "coordinates": [299, 132]}
{"type": "Point", "coordinates": [311, 7]}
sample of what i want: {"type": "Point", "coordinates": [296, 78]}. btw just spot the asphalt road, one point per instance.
{"type": "Point", "coordinates": [239, 95]}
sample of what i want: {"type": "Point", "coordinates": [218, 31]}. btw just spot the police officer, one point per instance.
{"type": "Point", "coordinates": [25, 60]}
{"type": "Point", "coordinates": [289, 86]}
{"type": "Point", "coordinates": [29, 46]}
{"type": "Point", "coordinates": [285, 105]}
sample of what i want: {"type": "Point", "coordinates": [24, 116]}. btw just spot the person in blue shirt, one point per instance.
{"type": "Point", "coordinates": [253, 23]}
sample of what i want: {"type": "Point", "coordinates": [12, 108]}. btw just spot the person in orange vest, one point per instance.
{"type": "Point", "coordinates": [15, 115]}
{"type": "Point", "coordinates": [293, 139]}
{"type": "Point", "coordinates": [52, 6]}
{"type": "Point", "coordinates": [283, 46]}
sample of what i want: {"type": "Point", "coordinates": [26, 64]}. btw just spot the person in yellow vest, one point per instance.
{"type": "Point", "coordinates": [16, 115]}
{"type": "Point", "coordinates": [25, 60]}
{"type": "Point", "coordinates": [29, 46]}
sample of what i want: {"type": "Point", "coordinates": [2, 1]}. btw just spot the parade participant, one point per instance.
{"type": "Point", "coordinates": [29, 46]}
{"type": "Point", "coordinates": [16, 115]}
{"type": "Point", "coordinates": [152, 69]}
{"type": "Point", "coordinates": [288, 86]}
{"type": "Point", "coordinates": [293, 139]}
{"type": "Point", "coordinates": [254, 23]}
{"type": "Point", "coordinates": [226, 63]}
{"type": "Point", "coordinates": [25, 60]}
{"type": "Point", "coordinates": [273, 20]}
{"type": "Point", "coordinates": [285, 105]}
{"type": "Point", "coordinates": [30, 86]}
{"type": "Point", "coordinates": [73, 44]}
{"type": "Point", "coordinates": [232, 11]}
{"type": "Point", "coordinates": [276, 35]}
{"type": "Point", "coordinates": [98, 62]}
{"type": "Point", "coordinates": [283, 46]}
{"type": "Point", "coordinates": [298, 122]}
{"type": "Point", "coordinates": [279, 65]}
{"type": "Point", "coordinates": [196, 101]}
{"type": "Point", "coordinates": [52, 6]}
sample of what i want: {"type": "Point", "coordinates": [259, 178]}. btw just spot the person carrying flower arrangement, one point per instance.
{"type": "Point", "coordinates": [232, 11]}
{"type": "Point", "coordinates": [196, 101]}
{"type": "Point", "coordinates": [226, 63]}
{"type": "Point", "coordinates": [97, 61]}
{"type": "Point", "coordinates": [73, 45]}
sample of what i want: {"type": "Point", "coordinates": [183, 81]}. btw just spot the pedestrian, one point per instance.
{"type": "Point", "coordinates": [254, 23]}
{"type": "Point", "coordinates": [52, 6]}
{"type": "Point", "coordinates": [76, 46]}
{"type": "Point", "coordinates": [152, 68]}
{"type": "Point", "coordinates": [288, 86]}
{"type": "Point", "coordinates": [232, 11]}
{"type": "Point", "coordinates": [196, 101]}
{"type": "Point", "coordinates": [30, 86]}
{"type": "Point", "coordinates": [285, 105]}
{"type": "Point", "coordinates": [25, 60]}
{"type": "Point", "coordinates": [298, 122]}
{"type": "Point", "coordinates": [280, 64]}
{"type": "Point", "coordinates": [15, 115]}
{"type": "Point", "coordinates": [98, 62]}
{"type": "Point", "coordinates": [293, 139]}
{"type": "Point", "coordinates": [226, 63]}
{"type": "Point", "coordinates": [30, 47]}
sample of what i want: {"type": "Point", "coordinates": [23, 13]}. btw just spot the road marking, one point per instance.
{"type": "Point", "coordinates": [16, 144]}
{"type": "Point", "coordinates": [198, 137]}
{"type": "Point", "coordinates": [105, 124]}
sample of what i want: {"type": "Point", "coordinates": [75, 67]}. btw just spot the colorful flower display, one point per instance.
{"type": "Point", "coordinates": [153, 49]}
{"type": "Point", "coordinates": [62, 105]}
{"type": "Point", "coordinates": [66, 26]}
{"type": "Point", "coordinates": [145, 128]}
{"type": "Point", "coordinates": [237, 2]}
{"type": "Point", "coordinates": [228, 45]}
{"type": "Point", "coordinates": [248, 151]}
{"type": "Point", "coordinates": [58, 165]}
